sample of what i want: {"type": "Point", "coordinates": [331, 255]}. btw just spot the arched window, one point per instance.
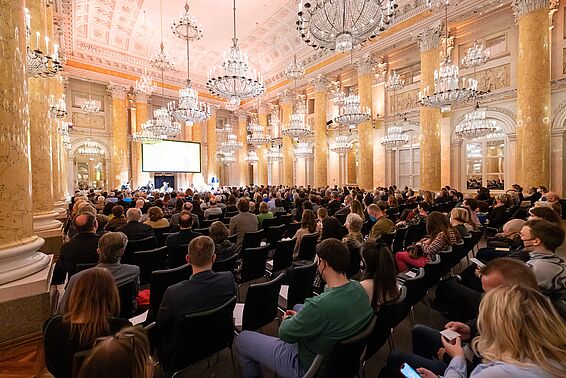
{"type": "Point", "coordinates": [485, 161]}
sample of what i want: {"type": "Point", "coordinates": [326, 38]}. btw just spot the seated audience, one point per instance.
{"type": "Point", "coordinates": [118, 219]}
{"type": "Point", "coordinates": [111, 247]}
{"type": "Point", "coordinates": [334, 205]}
{"type": "Point", "coordinates": [472, 206]}
{"type": "Point", "coordinates": [308, 226]}
{"type": "Point", "coordinates": [382, 224]}
{"type": "Point", "coordinates": [91, 312]}
{"type": "Point", "coordinates": [354, 238]}
{"type": "Point", "coordinates": [212, 209]}
{"type": "Point", "coordinates": [441, 235]}
{"type": "Point", "coordinates": [379, 278]}
{"type": "Point", "coordinates": [243, 222]}
{"type": "Point", "coordinates": [332, 228]}
{"type": "Point", "coordinates": [554, 200]}
{"type": "Point", "coordinates": [203, 291]}
{"type": "Point", "coordinates": [520, 335]}
{"type": "Point", "coordinates": [346, 209]}
{"type": "Point", "coordinates": [156, 220]}
{"type": "Point", "coordinates": [134, 229]}
{"type": "Point", "coordinates": [505, 242]}
{"type": "Point", "coordinates": [459, 219]}
{"type": "Point", "coordinates": [185, 234]}
{"type": "Point", "coordinates": [126, 355]}
{"type": "Point", "coordinates": [223, 248]}
{"type": "Point", "coordinates": [546, 213]}
{"type": "Point", "coordinates": [187, 207]}
{"type": "Point", "coordinates": [102, 221]}
{"type": "Point", "coordinates": [81, 249]}
{"type": "Point", "coordinates": [357, 208]}
{"type": "Point", "coordinates": [264, 213]}
{"type": "Point", "coordinates": [497, 214]}
{"type": "Point", "coordinates": [321, 215]}
{"type": "Point", "coordinates": [462, 304]}
{"type": "Point", "coordinates": [341, 311]}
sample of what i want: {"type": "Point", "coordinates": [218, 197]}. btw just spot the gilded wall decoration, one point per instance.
{"type": "Point", "coordinates": [493, 78]}
{"type": "Point", "coordinates": [88, 121]}
{"type": "Point", "coordinates": [404, 101]}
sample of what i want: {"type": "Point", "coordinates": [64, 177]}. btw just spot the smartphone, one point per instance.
{"type": "Point", "coordinates": [478, 263]}
{"type": "Point", "coordinates": [449, 334]}
{"type": "Point", "coordinates": [409, 372]}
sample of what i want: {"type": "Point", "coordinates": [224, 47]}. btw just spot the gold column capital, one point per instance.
{"type": "Point", "coordinates": [287, 97]}
{"type": "Point", "coordinates": [320, 83]}
{"type": "Point", "coordinates": [141, 97]}
{"type": "Point", "coordinates": [365, 64]}
{"type": "Point", "coordinates": [117, 91]}
{"type": "Point", "coordinates": [429, 38]}
{"type": "Point", "coordinates": [523, 7]}
{"type": "Point", "coordinates": [264, 108]}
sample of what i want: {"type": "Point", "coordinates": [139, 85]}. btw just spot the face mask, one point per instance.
{"type": "Point", "coordinates": [372, 218]}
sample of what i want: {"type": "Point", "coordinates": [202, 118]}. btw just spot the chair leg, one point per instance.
{"type": "Point", "coordinates": [390, 340]}
{"type": "Point", "coordinates": [412, 317]}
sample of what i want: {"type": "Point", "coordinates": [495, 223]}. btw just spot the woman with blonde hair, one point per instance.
{"type": "Point", "coordinates": [92, 311]}
{"type": "Point", "coordinates": [156, 219]}
{"type": "Point", "coordinates": [126, 355]}
{"type": "Point", "coordinates": [357, 208]}
{"type": "Point", "coordinates": [521, 335]}
{"type": "Point", "coordinates": [459, 219]}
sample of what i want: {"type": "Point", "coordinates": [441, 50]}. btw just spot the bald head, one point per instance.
{"type": "Point", "coordinates": [85, 222]}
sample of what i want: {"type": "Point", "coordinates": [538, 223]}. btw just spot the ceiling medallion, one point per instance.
{"type": "Point", "coordinates": [343, 25]}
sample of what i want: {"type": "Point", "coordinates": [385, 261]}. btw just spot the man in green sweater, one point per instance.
{"type": "Point", "coordinates": [343, 310]}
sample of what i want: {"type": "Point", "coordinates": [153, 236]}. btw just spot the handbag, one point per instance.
{"type": "Point", "coordinates": [415, 251]}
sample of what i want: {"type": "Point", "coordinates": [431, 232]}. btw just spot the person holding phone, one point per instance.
{"type": "Point", "coordinates": [513, 342]}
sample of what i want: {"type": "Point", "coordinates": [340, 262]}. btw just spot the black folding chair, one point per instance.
{"type": "Point", "coordinates": [225, 265]}
{"type": "Point", "coordinates": [269, 222]}
{"type": "Point", "coordinates": [160, 281]}
{"type": "Point", "coordinates": [202, 231]}
{"type": "Point", "coordinates": [177, 255]}
{"type": "Point", "coordinates": [252, 239]}
{"type": "Point", "coordinates": [148, 261]}
{"type": "Point", "coordinates": [127, 297]}
{"type": "Point", "coordinates": [133, 246]}
{"type": "Point", "coordinates": [355, 259]}
{"type": "Point", "coordinates": [282, 256]}
{"type": "Point", "coordinates": [260, 307]}
{"type": "Point", "coordinates": [274, 233]}
{"type": "Point", "coordinates": [307, 248]}
{"type": "Point", "coordinates": [299, 286]}
{"type": "Point", "coordinates": [292, 229]}
{"type": "Point", "coordinates": [253, 263]}
{"type": "Point", "coordinates": [161, 234]}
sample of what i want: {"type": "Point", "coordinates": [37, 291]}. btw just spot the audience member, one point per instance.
{"type": "Point", "coordinates": [111, 247]}
{"type": "Point", "coordinates": [92, 310]}
{"type": "Point", "coordinates": [341, 311]}
{"type": "Point", "coordinates": [546, 213]}
{"type": "Point", "coordinates": [223, 248]}
{"type": "Point", "coordinates": [212, 209]}
{"type": "Point", "coordinates": [134, 229]}
{"type": "Point", "coordinates": [187, 207]}
{"type": "Point", "coordinates": [354, 238]}
{"type": "Point", "coordinates": [185, 234]}
{"type": "Point", "coordinates": [81, 249]}
{"type": "Point", "coordinates": [308, 226]}
{"type": "Point", "coordinates": [357, 208]}
{"type": "Point", "coordinates": [264, 213]}
{"type": "Point", "coordinates": [118, 219]}
{"type": "Point", "coordinates": [382, 224]}
{"type": "Point", "coordinates": [156, 220]}
{"type": "Point", "coordinates": [102, 221]}
{"type": "Point", "coordinates": [459, 219]}
{"type": "Point", "coordinates": [332, 228]}
{"type": "Point", "coordinates": [379, 278]}
{"type": "Point", "coordinates": [243, 222]}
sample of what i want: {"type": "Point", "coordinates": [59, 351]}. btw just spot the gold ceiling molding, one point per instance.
{"type": "Point", "coordinates": [126, 76]}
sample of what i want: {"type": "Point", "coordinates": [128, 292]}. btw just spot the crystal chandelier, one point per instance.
{"type": "Point", "coordinates": [252, 158]}
{"type": "Point", "coordinates": [475, 56]}
{"type": "Point", "coordinates": [231, 143]}
{"type": "Point", "coordinates": [145, 84]}
{"type": "Point", "coordinates": [232, 104]}
{"type": "Point", "coordinates": [395, 137]}
{"type": "Point", "coordinates": [303, 150]}
{"type": "Point", "coordinates": [498, 133]}
{"type": "Point", "coordinates": [63, 128]}
{"type": "Point", "coordinates": [145, 136]}
{"type": "Point", "coordinates": [395, 82]}
{"type": "Point", "coordinates": [341, 145]}
{"type": "Point", "coordinates": [57, 109]}
{"type": "Point", "coordinates": [301, 106]}
{"type": "Point", "coordinates": [90, 148]}
{"type": "Point", "coordinates": [342, 25]}
{"type": "Point", "coordinates": [162, 126]}
{"type": "Point", "coordinates": [257, 136]}
{"type": "Point", "coordinates": [226, 157]}
{"type": "Point", "coordinates": [447, 89]}
{"type": "Point", "coordinates": [234, 78]}
{"type": "Point", "coordinates": [90, 106]}
{"type": "Point", "coordinates": [475, 125]}
{"type": "Point", "coordinates": [39, 62]}
{"type": "Point", "coordinates": [160, 59]}
{"type": "Point", "coordinates": [189, 110]}
{"type": "Point", "coordinates": [297, 127]}
{"type": "Point", "coordinates": [295, 70]}
{"type": "Point", "coordinates": [274, 154]}
{"type": "Point", "coordinates": [351, 112]}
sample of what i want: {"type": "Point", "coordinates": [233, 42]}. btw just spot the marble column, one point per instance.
{"type": "Point", "coordinates": [533, 93]}
{"type": "Point", "coordinates": [63, 179]}
{"type": "Point", "coordinates": [212, 164]}
{"type": "Point", "coordinates": [262, 113]}
{"type": "Point", "coordinates": [24, 272]}
{"type": "Point", "coordinates": [287, 101]}
{"type": "Point", "coordinates": [429, 42]}
{"type": "Point", "coordinates": [365, 129]}
{"type": "Point", "coordinates": [142, 116]}
{"type": "Point", "coordinates": [45, 223]}
{"type": "Point", "coordinates": [320, 84]}
{"type": "Point", "coordinates": [445, 146]}
{"type": "Point", "coordinates": [243, 168]}
{"type": "Point", "coordinates": [120, 169]}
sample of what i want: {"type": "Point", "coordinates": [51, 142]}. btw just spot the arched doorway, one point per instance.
{"type": "Point", "coordinates": [91, 163]}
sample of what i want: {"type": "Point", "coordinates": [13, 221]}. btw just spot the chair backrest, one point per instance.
{"type": "Point", "coordinates": [233, 238]}
{"type": "Point", "coordinates": [78, 361]}
{"type": "Point", "coordinates": [252, 239]}
{"type": "Point", "coordinates": [292, 229]}
{"type": "Point", "coordinates": [366, 227]}
{"type": "Point", "coordinates": [355, 259]}
{"type": "Point", "coordinates": [415, 286]}
{"type": "Point", "coordinates": [133, 246]}
{"type": "Point", "coordinates": [285, 218]}
{"type": "Point", "coordinates": [161, 280]}
{"type": "Point", "coordinates": [127, 296]}
{"type": "Point", "coordinates": [268, 222]}
{"type": "Point", "coordinates": [274, 233]}
{"type": "Point", "coordinates": [202, 231]}
{"type": "Point", "coordinates": [253, 263]}
{"type": "Point", "coordinates": [283, 254]}
{"type": "Point", "coordinates": [345, 358]}
{"type": "Point", "coordinates": [260, 308]}
{"type": "Point", "coordinates": [307, 248]}
{"type": "Point", "coordinates": [411, 236]}
{"type": "Point", "coordinates": [225, 265]}
{"type": "Point", "coordinates": [215, 216]}
{"type": "Point", "coordinates": [388, 238]}
{"type": "Point", "coordinates": [399, 239]}
{"type": "Point", "coordinates": [85, 266]}
{"type": "Point", "coordinates": [201, 335]}
{"type": "Point", "coordinates": [341, 217]}
{"type": "Point", "coordinates": [161, 234]}
{"type": "Point", "coordinates": [177, 255]}
{"type": "Point", "coordinates": [300, 280]}
{"type": "Point", "coordinates": [230, 214]}
{"type": "Point", "coordinates": [148, 261]}
{"type": "Point", "coordinates": [207, 222]}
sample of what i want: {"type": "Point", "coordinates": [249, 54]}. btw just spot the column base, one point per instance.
{"type": "Point", "coordinates": [22, 260]}
{"type": "Point", "coordinates": [25, 305]}
{"type": "Point", "coordinates": [60, 207]}
{"type": "Point", "coordinates": [46, 224]}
